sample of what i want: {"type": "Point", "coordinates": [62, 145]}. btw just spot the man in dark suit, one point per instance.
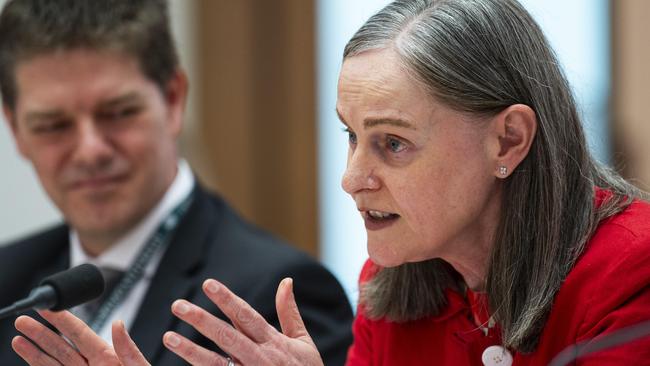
{"type": "Point", "coordinates": [94, 96]}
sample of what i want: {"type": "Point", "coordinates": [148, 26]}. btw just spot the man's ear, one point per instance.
{"type": "Point", "coordinates": [176, 98]}
{"type": "Point", "coordinates": [514, 130]}
{"type": "Point", "coordinates": [9, 118]}
{"type": "Point", "coordinates": [12, 123]}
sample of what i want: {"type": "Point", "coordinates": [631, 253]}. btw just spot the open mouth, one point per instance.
{"type": "Point", "coordinates": [379, 215]}
{"type": "Point", "coordinates": [376, 220]}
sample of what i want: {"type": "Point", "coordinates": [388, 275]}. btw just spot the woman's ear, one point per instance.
{"type": "Point", "coordinates": [514, 130]}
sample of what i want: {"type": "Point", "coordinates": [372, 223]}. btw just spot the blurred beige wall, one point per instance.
{"type": "Point", "coordinates": [253, 116]}
{"type": "Point", "coordinates": [630, 120]}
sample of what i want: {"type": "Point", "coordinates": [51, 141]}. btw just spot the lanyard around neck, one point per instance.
{"type": "Point", "coordinates": [157, 242]}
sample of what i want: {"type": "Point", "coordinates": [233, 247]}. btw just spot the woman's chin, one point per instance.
{"type": "Point", "coordinates": [385, 260]}
{"type": "Point", "coordinates": [388, 260]}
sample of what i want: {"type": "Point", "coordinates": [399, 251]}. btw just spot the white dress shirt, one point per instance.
{"type": "Point", "coordinates": [120, 255]}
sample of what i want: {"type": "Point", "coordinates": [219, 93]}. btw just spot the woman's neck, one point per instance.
{"type": "Point", "coordinates": [470, 254]}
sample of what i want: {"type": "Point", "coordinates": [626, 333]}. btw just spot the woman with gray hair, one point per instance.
{"type": "Point", "coordinates": [494, 237]}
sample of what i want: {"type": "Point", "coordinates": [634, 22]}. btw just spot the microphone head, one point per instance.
{"type": "Point", "coordinates": [75, 286]}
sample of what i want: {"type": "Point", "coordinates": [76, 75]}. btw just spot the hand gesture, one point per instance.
{"type": "Point", "coordinates": [252, 341]}
{"type": "Point", "coordinates": [40, 346]}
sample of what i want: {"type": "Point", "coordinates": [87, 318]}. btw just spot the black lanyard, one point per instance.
{"type": "Point", "coordinates": [157, 242]}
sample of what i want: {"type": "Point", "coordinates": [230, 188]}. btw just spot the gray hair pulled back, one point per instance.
{"type": "Point", "coordinates": [479, 57]}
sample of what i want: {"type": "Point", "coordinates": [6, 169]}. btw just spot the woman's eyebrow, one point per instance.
{"type": "Point", "coordinates": [371, 122]}
{"type": "Point", "coordinates": [398, 122]}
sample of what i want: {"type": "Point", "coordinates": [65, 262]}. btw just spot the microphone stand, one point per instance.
{"type": "Point", "coordinates": [43, 297]}
{"type": "Point", "coordinates": [610, 340]}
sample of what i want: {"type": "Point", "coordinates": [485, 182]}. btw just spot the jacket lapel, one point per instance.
{"type": "Point", "coordinates": [173, 278]}
{"type": "Point", "coordinates": [54, 256]}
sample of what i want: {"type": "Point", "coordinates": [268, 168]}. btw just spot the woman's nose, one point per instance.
{"type": "Point", "coordinates": [359, 174]}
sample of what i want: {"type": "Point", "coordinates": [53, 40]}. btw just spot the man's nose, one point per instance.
{"type": "Point", "coordinates": [92, 146]}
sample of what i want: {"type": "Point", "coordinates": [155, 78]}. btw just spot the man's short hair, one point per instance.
{"type": "Point", "coordinates": [138, 28]}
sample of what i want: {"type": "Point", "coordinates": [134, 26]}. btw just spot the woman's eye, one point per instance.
{"type": "Point", "coordinates": [395, 145]}
{"type": "Point", "coordinates": [352, 137]}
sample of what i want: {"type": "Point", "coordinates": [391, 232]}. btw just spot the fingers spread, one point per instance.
{"type": "Point", "coordinates": [48, 341]}
{"type": "Point", "coordinates": [288, 313]}
{"type": "Point", "coordinates": [243, 316]}
{"type": "Point", "coordinates": [127, 351]}
{"type": "Point", "coordinates": [31, 354]}
{"type": "Point", "coordinates": [190, 352]}
{"type": "Point", "coordinates": [87, 342]}
{"type": "Point", "coordinates": [223, 334]}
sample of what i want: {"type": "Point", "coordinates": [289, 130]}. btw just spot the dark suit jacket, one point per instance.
{"type": "Point", "coordinates": [211, 241]}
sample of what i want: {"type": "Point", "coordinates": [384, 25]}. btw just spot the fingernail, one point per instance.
{"type": "Point", "coordinates": [181, 307]}
{"type": "Point", "coordinates": [212, 286]}
{"type": "Point", "coordinates": [172, 340]}
{"type": "Point", "coordinates": [288, 283]}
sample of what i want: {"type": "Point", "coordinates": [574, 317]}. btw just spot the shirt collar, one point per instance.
{"type": "Point", "coordinates": [122, 253]}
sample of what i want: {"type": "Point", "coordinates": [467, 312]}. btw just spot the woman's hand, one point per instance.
{"type": "Point", "coordinates": [252, 341]}
{"type": "Point", "coordinates": [40, 346]}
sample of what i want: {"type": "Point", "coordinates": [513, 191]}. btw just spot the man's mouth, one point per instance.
{"type": "Point", "coordinates": [96, 182]}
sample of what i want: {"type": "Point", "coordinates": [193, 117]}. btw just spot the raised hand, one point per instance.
{"type": "Point", "coordinates": [252, 341]}
{"type": "Point", "coordinates": [40, 346]}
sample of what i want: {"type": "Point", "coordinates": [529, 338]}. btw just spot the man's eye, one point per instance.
{"type": "Point", "coordinates": [51, 127]}
{"type": "Point", "coordinates": [120, 113]}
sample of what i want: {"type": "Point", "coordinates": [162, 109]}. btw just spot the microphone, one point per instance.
{"type": "Point", "coordinates": [61, 291]}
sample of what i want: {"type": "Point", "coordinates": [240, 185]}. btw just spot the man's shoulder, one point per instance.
{"type": "Point", "coordinates": [238, 243]}
{"type": "Point", "coordinates": [231, 228]}
{"type": "Point", "coordinates": [32, 256]}
{"type": "Point", "coordinates": [25, 261]}
{"type": "Point", "coordinates": [52, 236]}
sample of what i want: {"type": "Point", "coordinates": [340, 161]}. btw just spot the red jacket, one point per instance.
{"type": "Point", "coordinates": [608, 289]}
